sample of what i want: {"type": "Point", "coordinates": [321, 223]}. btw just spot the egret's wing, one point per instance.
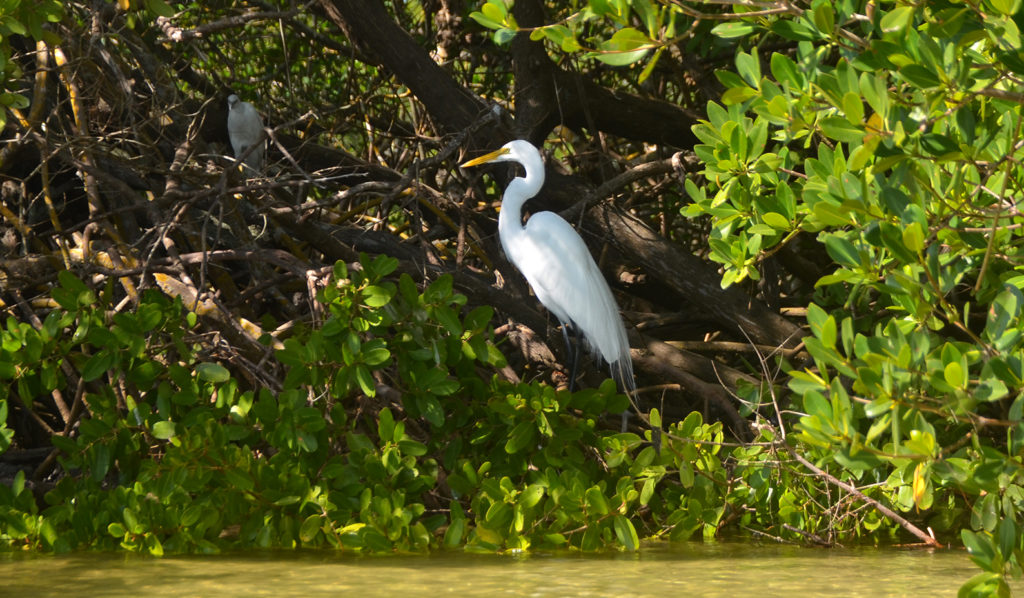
{"type": "Point", "coordinates": [559, 267]}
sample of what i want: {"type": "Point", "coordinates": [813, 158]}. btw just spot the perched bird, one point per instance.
{"type": "Point", "coordinates": [559, 267]}
{"type": "Point", "coordinates": [245, 128]}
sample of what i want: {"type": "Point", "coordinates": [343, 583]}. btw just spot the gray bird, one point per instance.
{"type": "Point", "coordinates": [245, 128]}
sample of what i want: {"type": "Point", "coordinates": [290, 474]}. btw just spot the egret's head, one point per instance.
{"type": "Point", "coordinates": [514, 151]}
{"type": "Point", "coordinates": [232, 100]}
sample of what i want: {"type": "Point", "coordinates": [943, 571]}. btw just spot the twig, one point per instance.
{"type": "Point", "coordinates": [884, 510]}
{"type": "Point", "coordinates": [178, 35]}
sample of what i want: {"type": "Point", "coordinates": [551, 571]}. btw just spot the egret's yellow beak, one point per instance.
{"type": "Point", "coordinates": [484, 159]}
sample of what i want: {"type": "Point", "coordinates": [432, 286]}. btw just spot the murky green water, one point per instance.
{"type": "Point", "coordinates": [717, 570]}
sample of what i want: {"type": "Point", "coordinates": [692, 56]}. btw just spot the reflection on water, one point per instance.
{"type": "Point", "coordinates": [707, 570]}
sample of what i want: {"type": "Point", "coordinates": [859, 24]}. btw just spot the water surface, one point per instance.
{"type": "Point", "coordinates": [727, 570]}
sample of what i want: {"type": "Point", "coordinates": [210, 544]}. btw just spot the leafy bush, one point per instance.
{"type": "Point", "coordinates": [186, 460]}
{"type": "Point", "coordinates": [894, 144]}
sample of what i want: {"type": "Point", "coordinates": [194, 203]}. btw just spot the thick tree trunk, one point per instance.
{"type": "Point", "coordinates": [374, 33]}
{"type": "Point", "coordinates": [547, 95]}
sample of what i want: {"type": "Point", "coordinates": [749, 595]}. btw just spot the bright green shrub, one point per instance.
{"type": "Point", "coordinates": [894, 143]}
{"type": "Point", "coordinates": [388, 432]}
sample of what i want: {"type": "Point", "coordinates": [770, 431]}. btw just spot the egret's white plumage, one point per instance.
{"type": "Point", "coordinates": [245, 128]}
{"type": "Point", "coordinates": [558, 265]}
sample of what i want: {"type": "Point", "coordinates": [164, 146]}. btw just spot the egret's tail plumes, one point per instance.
{"type": "Point", "coordinates": [622, 372]}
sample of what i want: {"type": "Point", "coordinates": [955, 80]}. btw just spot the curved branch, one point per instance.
{"type": "Point", "coordinates": [884, 510]}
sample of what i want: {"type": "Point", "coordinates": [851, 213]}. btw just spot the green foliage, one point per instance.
{"type": "Point", "coordinates": [22, 18]}
{"type": "Point", "coordinates": [624, 45]}
{"type": "Point", "coordinates": [613, 32]}
{"type": "Point", "coordinates": [893, 144]}
{"type": "Point", "coordinates": [385, 435]}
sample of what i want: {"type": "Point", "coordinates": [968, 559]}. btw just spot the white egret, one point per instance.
{"type": "Point", "coordinates": [245, 128]}
{"type": "Point", "coordinates": [559, 267]}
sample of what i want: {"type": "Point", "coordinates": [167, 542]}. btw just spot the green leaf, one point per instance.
{"type": "Point", "coordinates": [521, 437]}
{"type": "Point", "coordinates": [504, 36]}
{"type": "Point", "coordinates": [159, 8]}
{"type": "Point", "coordinates": [1006, 7]}
{"type": "Point", "coordinates": [531, 496]}
{"type": "Point", "coordinates": [377, 296]}
{"type": "Point", "coordinates": [793, 30]}
{"type": "Point", "coordinates": [854, 108]}
{"type": "Point", "coordinates": [655, 418]}
{"type": "Point", "coordinates": [824, 17]}
{"type": "Point", "coordinates": [496, 10]}
{"type": "Point", "coordinates": [649, 67]}
{"type": "Point", "coordinates": [913, 237]}
{"type": "Point", "coordinates": [212, 372]}
{"type": "Point", "coordinates": [154, 546]}
{"type": "Point", "coordinates": [365, 380]}
{"type": "Point", "coordinates": [733, 29]}
{"type": "Point", "coordinates": [164, 430]}
{"type": "Point", "coordinates": [979, 547]}
{"type": "Point", "coordinates": [776, 221]}
{"type": "Point", "coordinates": [785, 71]}
{"type": "Point", "coordinates": [597, 500]}
{"type": "Point", "coordinates": [920, 76]}
{"type": "Point", "coordinates": [385, 425]}
{"type": "Point", "coordinates": [239, 479]}
{"type": "Point", "coordinates": [431, 410]}
{"type": "Point", "coordinates": [897, 19]}
{"type": "Point", "coordinates": [873, 88]}
{"type": "Point", "coordinates": [738, 95]}
{"type": "Point", "coordinates": [647, 492]}
{"type": "Point", "coordinates": [131, 521]}
{"type": "Point", "coordinates": [498, 515]}
{"type": "Point", "coordinates": [842, 251]}
{"type": "Point", "coordinates": [625, 532]}
{"type": "Point", "coordinates": [412, 448]}
{"type": "Point", "coordinates": [988, 583]}
{"type": "Point", "coordinates": [310, 528]}
{"type": "Point", "coordinates": [892, 239]}
{"type": "Point", "coordinates": [439, 290]}
{"type": "Point", "coordinates": [1001, 327]}
{"type": "Point", "coordinates": [1008, 538]}
{"type": "Point", "coordinates": [625, 47]}
{"type": "Point", "coordinates": [686, 475]}
{"type": "Point", "coordinates": [98, 364]}
{"type": "Point", "coordinates": [455, 532]}
{"type": "Point", "coordinates": [841, 129]}
{"type": "Point", "coordinates": [938, 145]}
{"type": "Point", "coordinates": [449, 319]}
{"type": "Point", "coordinates": [749, 67]}
{"type": "Point", "coordinates": [955, 375]}
{"type": "Point", "coordinates": [376, 355]}
{"type": "Point", "coordinates": [991, 389]}
{"type": "Point", "coordinates": [192, 514]}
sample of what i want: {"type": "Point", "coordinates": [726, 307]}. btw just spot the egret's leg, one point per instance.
{"type": "Point", "coordinates": [625, 419]}
{"type": "Point", "coordinates": [573, 352]}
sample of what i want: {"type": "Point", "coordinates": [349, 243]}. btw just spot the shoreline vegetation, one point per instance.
{"type": "Point", "coordinates": [807, 212]}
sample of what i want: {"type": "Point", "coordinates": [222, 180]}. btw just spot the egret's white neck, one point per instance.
{"type": "Point", "coordinates": [510, 220]}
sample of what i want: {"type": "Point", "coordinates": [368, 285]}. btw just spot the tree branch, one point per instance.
{"type": "Point", "coordinates": [884, 510]}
